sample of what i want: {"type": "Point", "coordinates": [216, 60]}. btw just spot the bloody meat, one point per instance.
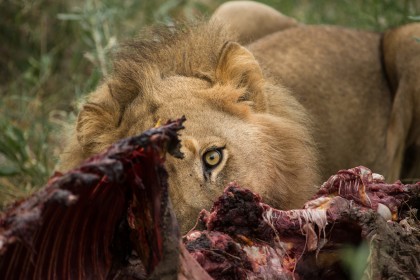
{"type": "Point", "coordinates": [111, 218]}
{"type": "Point", "coordinates": [247, 239]}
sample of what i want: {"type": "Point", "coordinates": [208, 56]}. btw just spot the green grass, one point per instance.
{"type": "Point", "coordinates": [55, 51]}
{"type": "Point", "coordinates": [376, 15]}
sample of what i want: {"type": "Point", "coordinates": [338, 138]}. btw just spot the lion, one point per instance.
{"type": "Point", "coordinates": [277, 115]}
{"type": "Point", "coordinates": [376, 72]}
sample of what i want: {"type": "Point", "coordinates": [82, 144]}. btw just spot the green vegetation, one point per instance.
{"type": "Point", "coordinates": [54, 52]}
{"type": "Point", "coordinates": [355, 259]}
{"type": "Point", "coordinates": [375, 15]}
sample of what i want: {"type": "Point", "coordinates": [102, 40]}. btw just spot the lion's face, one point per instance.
{"type": "Point", "coordinates": [231, 134]}
{"type": "Point", "coordinates": [221, 143]}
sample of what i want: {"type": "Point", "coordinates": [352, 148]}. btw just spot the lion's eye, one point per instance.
{"type": "Point", "coordinates": [212, 158]}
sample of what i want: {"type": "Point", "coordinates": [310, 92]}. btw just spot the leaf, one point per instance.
{"type": "Point", "coordinates": [8, 170]}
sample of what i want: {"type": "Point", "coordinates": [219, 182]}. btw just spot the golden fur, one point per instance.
{"type": "Point", "coordinates": [339, 110]}
{"type": "Point", "coordinates": [218, 85]}
{"type": "Point", "coordinates": [360, 88]}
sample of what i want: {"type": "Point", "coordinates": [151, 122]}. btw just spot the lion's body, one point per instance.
{"type": "Point", "coordinates": [309, 89]}
{"type": "Point", "coordinates": [336, 74]}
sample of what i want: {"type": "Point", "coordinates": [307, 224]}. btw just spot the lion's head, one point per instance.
{"type": "Point", "coordinates": [232, 132]}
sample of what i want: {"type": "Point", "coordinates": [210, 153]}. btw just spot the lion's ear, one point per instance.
{"type": "Point", "coordinates": [98, 121]}
{"type": "Point", "coordinates": [237, 67]}
{"type": "Point", "coordinates": [96, 128]}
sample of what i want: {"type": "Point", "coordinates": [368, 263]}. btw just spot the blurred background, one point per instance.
{"type": "Point", "coordinates": [53, 52]}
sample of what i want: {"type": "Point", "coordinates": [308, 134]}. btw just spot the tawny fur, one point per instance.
{"type": "Point", "coordinates": [360, 88]}
{"type": "Point", "coordinates": [201, 73]}
{"type": "Point", "coordinates": [294, 100]}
